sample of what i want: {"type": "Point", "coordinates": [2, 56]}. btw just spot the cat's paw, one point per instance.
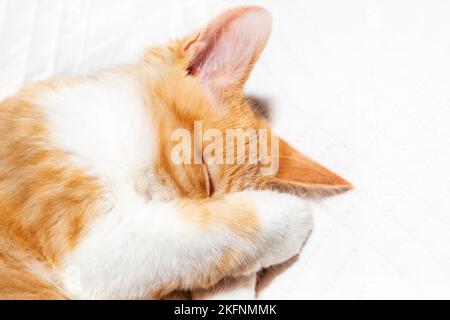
{"type": "Point", "coordinates": [286, 222]}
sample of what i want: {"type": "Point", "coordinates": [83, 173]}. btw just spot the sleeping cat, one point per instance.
{"type": "Point", "coordinates": [92, 204]}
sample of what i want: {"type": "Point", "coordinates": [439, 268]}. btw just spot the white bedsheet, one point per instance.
{"type": "Point", "coordinates": [362, 86]}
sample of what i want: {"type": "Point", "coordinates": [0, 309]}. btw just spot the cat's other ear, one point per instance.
{"type": "Point", "coordinates": [302, 176]}
{"type": "Point", "coordinates": [224, 52]}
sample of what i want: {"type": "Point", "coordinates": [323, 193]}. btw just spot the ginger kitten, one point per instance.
{"type": "Point", "coordinates": [92, 204]}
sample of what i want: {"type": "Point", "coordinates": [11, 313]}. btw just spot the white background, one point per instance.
{"type": "Point", "coordinates": [361, 86]}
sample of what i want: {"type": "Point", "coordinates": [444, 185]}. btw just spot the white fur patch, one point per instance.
{"type": "Point", "coordinates": [104, 125]}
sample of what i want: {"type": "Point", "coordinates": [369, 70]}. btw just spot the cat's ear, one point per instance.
{"type": "Point", "coordinates": [300, 175]}
{"type": "Point", "coordinates": [224, 52]}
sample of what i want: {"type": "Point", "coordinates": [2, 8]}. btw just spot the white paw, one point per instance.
{"type": "Point", "coordinates": [286, 223]}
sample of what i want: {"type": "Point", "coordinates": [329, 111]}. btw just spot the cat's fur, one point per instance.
{"type": "Point", "coordinates": [91, 205]}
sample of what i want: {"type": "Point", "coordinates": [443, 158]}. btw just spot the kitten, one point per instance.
{"type": "Point", "coordinates": [92, 204]}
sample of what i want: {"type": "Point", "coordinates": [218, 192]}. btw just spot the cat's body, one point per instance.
{"type": "Point", "coordinates": [91, 205]}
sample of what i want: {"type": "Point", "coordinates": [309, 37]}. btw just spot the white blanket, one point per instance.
{"type": "Point", "coordinates": [362, 86]}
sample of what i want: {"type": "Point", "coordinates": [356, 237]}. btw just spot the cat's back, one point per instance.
{"type": "Point", "coordinates": [102, 122]}
{"type": "Point", "coordinates": [63, 145]}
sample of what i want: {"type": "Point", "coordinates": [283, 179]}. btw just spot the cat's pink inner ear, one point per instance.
{"type": "Point", "coordinates": [226, 49]}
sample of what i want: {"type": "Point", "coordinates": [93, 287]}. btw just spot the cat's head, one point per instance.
{"type": "Point", "coordinates": [195, 88]}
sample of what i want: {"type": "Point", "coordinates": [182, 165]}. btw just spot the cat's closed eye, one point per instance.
{"type": "Point", "coordinates": [208, 181]}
